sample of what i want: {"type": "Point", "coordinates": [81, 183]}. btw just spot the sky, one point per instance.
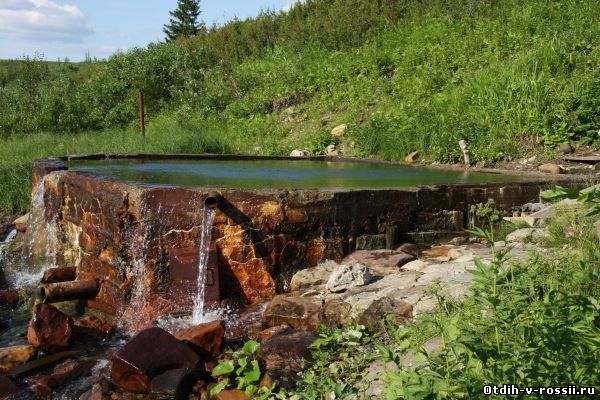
{"type": "Point", "coordinates": [56, 29]}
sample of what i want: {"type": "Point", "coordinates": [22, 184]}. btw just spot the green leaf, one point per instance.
{"type": "Point", "coordinates": [251, 347]}
{"type": "Point", "coordinates": [219, 387]}
{"type": "Point", "coordinates": [225, 367]}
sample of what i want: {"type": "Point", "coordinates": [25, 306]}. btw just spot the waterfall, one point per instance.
{"type": "Point", "coordinates": [208, 217]}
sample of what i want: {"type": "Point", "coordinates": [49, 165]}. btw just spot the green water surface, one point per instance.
{"type": "Point", "coordinates": [280, 174]}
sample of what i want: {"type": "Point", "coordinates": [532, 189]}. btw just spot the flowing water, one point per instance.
{"type": "Point", "coordinates": [208, 217]}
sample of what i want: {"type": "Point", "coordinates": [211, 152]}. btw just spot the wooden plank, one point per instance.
{"type": "Point", "coordinates": [592, 158]}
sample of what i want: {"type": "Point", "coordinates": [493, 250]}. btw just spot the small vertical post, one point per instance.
{"type": "Point", "coordinates": [141, 111]}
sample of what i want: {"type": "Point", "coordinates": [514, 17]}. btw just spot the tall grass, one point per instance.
{"type": "Point", "coordinates": [508, 76]}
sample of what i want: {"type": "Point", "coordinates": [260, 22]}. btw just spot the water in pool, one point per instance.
{"type": "Point", "coordinates": [280, 174]}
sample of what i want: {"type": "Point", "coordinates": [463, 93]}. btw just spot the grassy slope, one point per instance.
{"type": "Point", "coordinates": [499, 76]}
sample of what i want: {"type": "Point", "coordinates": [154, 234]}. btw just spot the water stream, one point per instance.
{"type": "Point", "coordinates": [208, 217]}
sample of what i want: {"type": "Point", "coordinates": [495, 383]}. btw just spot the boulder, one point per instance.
{"type": "Point", "coordinates": [344, 277]}
{"type": "Point", "coordinates": [21, 223]}
{"type": "Point", "coordinates": [373, 316]}
{"type": "Point", "coordinates": [381, 262]}
{"type": "Point", "coordinates": [339, 130]}
{"type": "Point", "coordinates": [409, 248]}
{"type": "Point", "coordinates": [49, 329]}
{"type": "Point", "coordinates": [550, 168]}
{"type": "Point", "coordinates": [92, 327]}
{"type": "Point", "coordinates": [336, 313]}
{"type": "Point", "coordinates": [297, 312]}
{"type": "Point", "coordinates": [283, 353]}
{"type": "Point", "coordinates": [266, 334]}
{"type": "Point", "coordinates": [149, 353]}
{"type": "Point", "coordinates": [299, 153]}
{"type": "Point", "coordinates": [15, 355]}
{"type": "Point", "coordinates": [564, 149]}
{"type": "Point", "coordinates": [208, 336]}
{"type": "Point", "coordinates": [527, 234]}
{"type": "Point", "coordinates": [411, 157]}
{"type": "Point", "coordinates": [311, 278]}
{"type": "Point", "coordinates": [69, 370]}
{"type": "Point", "coordinates": [177, 384]}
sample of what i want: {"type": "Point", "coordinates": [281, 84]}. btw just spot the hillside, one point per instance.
{"type": "Point", "coordinates": [510, 77]}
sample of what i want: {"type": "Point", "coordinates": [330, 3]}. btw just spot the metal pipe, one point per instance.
{"type": "Point", "coordinates": [213, 200]}
{"type": "Point", "coordinates": [63, 274]}
{"type": "Point", "coordinates": [65, 291]}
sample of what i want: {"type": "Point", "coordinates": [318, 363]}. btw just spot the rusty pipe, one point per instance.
{"type": "Point", "coordinates": [63, 274]}
{"type": "Point", "coordinates": [65, 291]}
{"type": "Point", "coordinates": [213, 200]}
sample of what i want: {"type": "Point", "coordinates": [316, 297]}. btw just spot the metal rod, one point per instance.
{"type": "Point", "coordinates": [65, 291]}
{"type": "Point", "coordinates": [141, 112]}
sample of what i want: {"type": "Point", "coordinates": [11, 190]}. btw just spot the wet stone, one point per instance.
{"type": "Point", "coordinates": [149, 353]}
{"type": "Point", "coordinates": [7, 387]}
{"type": "Point", "coordinates": [208, 336]}
{"type": "Point", "coordinates": [49, 329]}
{"type": "Point", "coordinates": [177, 384]}
{"type": "Point", "coordinates": [13, 356]}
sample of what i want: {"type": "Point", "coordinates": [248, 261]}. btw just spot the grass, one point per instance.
{"type": "Point", "coordinates": [509, 77]}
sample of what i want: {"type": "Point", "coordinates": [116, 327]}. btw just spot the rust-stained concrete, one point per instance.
{"type": "Point", "coordinates": [262, 236]}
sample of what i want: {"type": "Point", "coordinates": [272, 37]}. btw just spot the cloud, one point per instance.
{"type": "Point", "coordinates": [43, 20]}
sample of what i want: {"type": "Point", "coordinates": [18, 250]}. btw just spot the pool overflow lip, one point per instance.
{"type": "Point", "coordinates": [239, 207]}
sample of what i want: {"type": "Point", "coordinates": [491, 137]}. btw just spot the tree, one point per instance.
{"type": "Point", "coordinates": [184, 20]}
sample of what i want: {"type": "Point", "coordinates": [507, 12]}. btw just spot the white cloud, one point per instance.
{"type": "Point", "coordinates": [43, 20]}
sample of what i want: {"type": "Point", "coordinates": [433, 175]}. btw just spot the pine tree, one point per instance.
{"type": "Point", "coordinates": [184, 20]}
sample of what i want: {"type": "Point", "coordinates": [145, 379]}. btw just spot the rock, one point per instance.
{"type": "Point", "coordinates": [7, 387]}
{"type": "Point", "coordinates": [21, 223]}
{"type": "Point", "coordinates": [336, 313]}
{"type": "Point", "coordinates": [373, 316]}
{"type": "Point", "coordinates": [371, 242]}
{"type": "Point", "coordinates": [436, 252]}
{"type": "Point", "coordinates": [177, 384]}
{"type": "Point", "coordinates": [564, 149]}
{"type": "Point", "coordinates": [283, 353]}
{"type": "Point", "coordinates": [331, 151]}
{"type": "Point", "coordinates": [69, 370]}
{"type": "Point", "coordinates": [11, 298]}
{"type": "Point", "coordinates": [339, 130]}
{"type": "Point", "coordinates": [232, 394]}
{"type": "Point", "coordinates": [12, 356]}
{"type": "Point", "coordinates": [266, 334]}
{"type": "Point", "coordinates": [550, 168]}
{"type": "Point", "coordinates": [299, 153]}
{"type": "Point", "coordinates": [49, 329]}
{"type": "Point", "coordinates": [92, 327]}
{"type": "Point", "coordinates": [409, 248]}
{"type": "Point", "coordinates": [149, 353]}
{"type": "Point", "coordinates": [297, 312]}
{"type": "Point", "coordinates": [208, 336]}
{"type": "Point", "coordinates": [458, 241]}
{"type": "Point", "coordinates": [416, 265]}
{"type": "Point", "coordinates": [527, 234]}
{"type": "Point", "coordinates": [347, 276]}
{"type": "Point", "coordinates": [310, 278]}
{"type": "Point", "coordinates": [411, 157]}
{"type": "Point", "coordinates": [375, 375]}
{"type": "Point", "coordinates": [39, 363]}
{"type": "Point", "coordinates": [381, 262]}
